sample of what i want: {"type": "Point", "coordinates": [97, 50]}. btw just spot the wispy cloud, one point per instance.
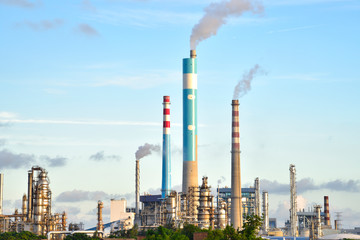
{"type": "Point", "coordinates": [7, 115]}
{"type": "Point", "coordinates": [86, 5]}
{"type": "Point", "coordinates": [147, 18]}
{"type": "Point", "coordinates": [308, 184]}
{"type": "Point", "coordinates": [11, 160]}
{"type": "Point", "coordinates": [144, 79]}
{"type": "Point", "coordinates": [302, 76]}
{"type": "Point", "coordinates": [75, 122]}
{"type": "Point", "coordinates": [54, 91]}
{"type": "Point", "coordinates": [293, 29]}
{"type": "Point", "coordinates": [87, 30]}
{"type": "Point", "coordinates": [21, 3]}
{"type": "Point", "coordinates": [54, 162]}
{"type": "Point", "coordinates": [302, 2]}
{"type": "Point", "coordinates": [80, 195]}
{"type": "Point", "coordinates": [101, 157]}
{"type": "Point", "coordinates": [44, 25]}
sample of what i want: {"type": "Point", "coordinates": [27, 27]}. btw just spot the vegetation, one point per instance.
{"type": "Point", "coordinates": [132, 233]}
{"type": "Point", "coordinates": [20, 236]}
{"type": "Point", "coordinates": [249, 232]}
{"type": "Point", "coordinates": [80, 236]}
{"type": "Point", "coordinates": [169, 232]}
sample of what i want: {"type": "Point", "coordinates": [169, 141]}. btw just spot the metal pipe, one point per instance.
{"type": "Point", "coordinates": [190, 158]}
{"type": "Point", "coordinates": [236, 203]}
{"type": "Point", "coordinates": [166, 157]}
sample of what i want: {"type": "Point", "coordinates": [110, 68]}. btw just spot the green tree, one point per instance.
{"type": "Point", "coordinates": [251, 228]}
{"type": "Point", "coordinates": [25, 235]}
{"type": "Point", "coordinates": [189, 230]}
{"type": "Point", "coordinates": [77, 236]}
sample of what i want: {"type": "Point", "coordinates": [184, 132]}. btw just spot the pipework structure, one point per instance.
{"type": "Point", "coordinates": [236, 204]}
{"type": "Point", "coordinates": [166, 151]}
{"type": "Point", "coordinates": [190, 158]}
{"type": "Point", "coordinates": [36, 213]}
{"type": "Point", "coordinates": [293, 205]}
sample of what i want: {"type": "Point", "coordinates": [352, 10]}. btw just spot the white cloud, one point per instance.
{"type": "Point", "coordinates": [7, 115]}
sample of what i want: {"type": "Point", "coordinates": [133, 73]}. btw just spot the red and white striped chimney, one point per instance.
{"type": "Point", "coordinates": [326, 211]}
{"type": "Point", "coordinates": [236, 204]}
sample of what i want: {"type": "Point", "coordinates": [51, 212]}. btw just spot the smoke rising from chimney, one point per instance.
{"type": "Point", "coordinates": [145, 150]}
{"type": "Point", "coordinates": [216, 15]}
{"type": "Point", "coordinates": [244, 85]}
{"type": "Point", "coordinates": [221, 180]}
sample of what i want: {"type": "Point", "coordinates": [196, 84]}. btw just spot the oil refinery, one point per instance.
{"type": "Point", "coordinates": [195, 204]}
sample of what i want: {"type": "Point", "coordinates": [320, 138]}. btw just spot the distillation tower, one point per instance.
{"type": "Point", "coordinates": [36, 213]}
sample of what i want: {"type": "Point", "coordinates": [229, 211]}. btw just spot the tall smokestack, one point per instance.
{"type": "Point", "coordinates": [257, 197]}
{"type": "Point", "coordinates": [24, 208]}
{"type": "Point", "coordinates": [166, 157]}
{"type": "Point", "coordinates": [293, 205]}
{"type": "Point", "coordinates": [326, 211]}
{"type": "Point", "coordinates": [236, 204]}
{"type": "Point", "coordinates": [1, 192]}
{"type": "Point", "coordinates": [266, 211]}
{"type": "Point", "coordinates": [137, 188]}
{"type": "Point", "coordinates": [190, 160]}
{"type": "Point", "coordinates": [100, 226]}
{"type": "Point", "coordinates": [30, 195]}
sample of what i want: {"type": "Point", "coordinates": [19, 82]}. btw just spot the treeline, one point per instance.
{"type": "Point", "coordinates": [20, 236]}
{"type": "Point", "coordinates": [249, 232]}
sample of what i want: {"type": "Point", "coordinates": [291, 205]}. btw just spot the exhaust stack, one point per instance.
{"type": "Point", "coordinates": [190, 159]}
{"type": "Point", "coordinates": [236, 204]}
{"type": "Point", "coordinates": [1, 192]}
{"type": "Point", "coordinates": [293, 203]}
{"type": "Point", "coordinates": [257, 197]}
{"type": "Point", "coordinates": [166, 157]}
{"type": "Point", "coordinates": [137, 188]}
{"type": "Point", "coordinates": [266, 211]}
{"type": "Point", "coordinates": [100, 226]}
{"type": "Point", "coordinates": [326, 211]}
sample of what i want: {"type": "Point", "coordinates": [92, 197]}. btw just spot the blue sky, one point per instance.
{"type": "Point", "coordinates": [80, 78]}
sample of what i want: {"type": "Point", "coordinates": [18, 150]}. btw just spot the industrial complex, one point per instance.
{"type": "Point", "coordinates": [195, 204]}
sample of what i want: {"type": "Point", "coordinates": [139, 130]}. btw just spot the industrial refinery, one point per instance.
{"type": "Point", "coordinates": [196, 204]}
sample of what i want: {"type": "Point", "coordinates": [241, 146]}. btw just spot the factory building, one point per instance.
{"type": "Point", "coordinates": [120, 216]}
{"type": "Point", "coordinates": [248, 197]}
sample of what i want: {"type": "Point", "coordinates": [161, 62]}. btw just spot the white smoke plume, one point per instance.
{"type": "Point", "coordinates": [221, 180]}
{"type": "Point", "coordinates": [216, 15]}
{"type": "Point", "coordinates": [146, 149]}
{"type": "Point", "coordinates": [244, 85]}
